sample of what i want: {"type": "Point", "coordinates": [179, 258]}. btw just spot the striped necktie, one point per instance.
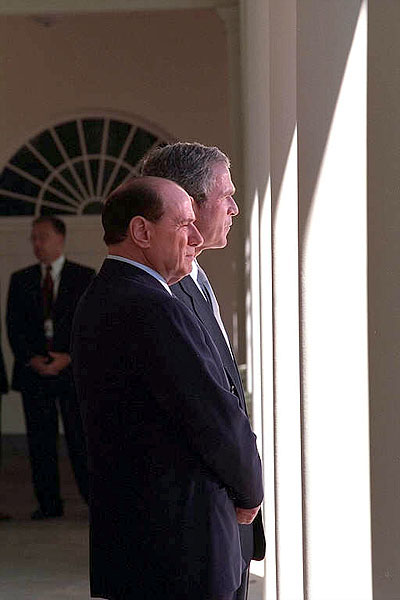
{"type": "Point", "coordinates": [48, 293]}
{"type": "Point", "coordinates": [48, 301]}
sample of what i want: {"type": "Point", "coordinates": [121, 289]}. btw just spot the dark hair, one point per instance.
{"type": "Point", "coordinates": [188, 164]}
{"type": "Point", "coordinates": [139, 196]}
{"type": "Point", "coordinates": [58, 225]}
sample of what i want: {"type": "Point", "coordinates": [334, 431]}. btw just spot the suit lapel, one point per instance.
{"type": "Point", "coordinates": [34, 289]}
{"type": "Point", "coordinates": [188, 292]}
{"type": "Point", "coordinates": [197, 301]}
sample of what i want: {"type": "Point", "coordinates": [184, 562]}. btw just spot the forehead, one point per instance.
{"type": "Point", "coordinates": [45, 229]}
{"type": "Point", "coordinates": [223, 185]}
{"type": "Point", "coordinates": [177, 203]}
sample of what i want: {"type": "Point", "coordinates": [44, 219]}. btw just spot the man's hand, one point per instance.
{"type": "Point", "coordinates": [39, 364]}
{"type": "Point", "coordinates": [60, 360]}
{"type": "Point", "coordinates": [245, 516]}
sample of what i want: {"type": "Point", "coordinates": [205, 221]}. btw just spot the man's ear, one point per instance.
{"type": "Point", "coordinates": [139, 230]}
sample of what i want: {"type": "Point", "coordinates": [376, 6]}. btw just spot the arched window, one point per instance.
{"type": "Point", "coordinates": [71, 167]}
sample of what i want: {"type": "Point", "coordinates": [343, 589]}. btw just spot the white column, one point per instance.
{"type": "Point", "coordinates": [256, 160]}
{"type": "Point", "coordinates": [332, 99]}
{"type": "Point", "coordinates": [271, 174]}
{"type": "Point", "coordinates": [284, 171]}
{"type": "Point", "coordinates": [304, 98]}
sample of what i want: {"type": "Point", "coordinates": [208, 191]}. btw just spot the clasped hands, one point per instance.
{"type": "Point", "coordinates": [245, 516]}
{"type": "Point", "coordinates": [46, 368]}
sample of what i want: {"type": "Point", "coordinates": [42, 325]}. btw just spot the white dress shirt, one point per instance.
{"type": "Point", "coordinates": [212, 298]}
{"type": "Point", "coordinates": [193, 274]}
{"type": "Point", "coordinates": [56, 268]}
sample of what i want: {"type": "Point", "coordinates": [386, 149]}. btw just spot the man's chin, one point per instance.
{"type": "Point", "coordinates": [182, 273]}
{"type": "Point", "coordinates": [212, 246]}
{"type": "Point", "coordinates": [176, 278]}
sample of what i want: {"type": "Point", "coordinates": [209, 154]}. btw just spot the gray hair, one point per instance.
{"type": "Point", "coordinates": [190, 165]}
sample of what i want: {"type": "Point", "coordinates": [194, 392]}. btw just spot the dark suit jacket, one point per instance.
{"type": "Point", "coordinates": [170, 450]}
{"type": "Point", "coordinates": [25, 314]}
{"type": "Point", "coordinates": [251, 536]}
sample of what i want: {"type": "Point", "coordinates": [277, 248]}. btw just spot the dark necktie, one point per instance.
{"type": "Point", "coordinates": [47, 291]}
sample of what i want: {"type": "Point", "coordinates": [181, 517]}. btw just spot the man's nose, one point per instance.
{"type": "Point", "coordinates": [233, 208]}
{"type": "Point", "coordinates": [195, 237]}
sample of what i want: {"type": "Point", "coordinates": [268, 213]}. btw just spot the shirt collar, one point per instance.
{"type": "Point", "coordinates": [194, 271]}
{"type": "Point", "coordinates": [148, 270]}
{"type": "Point", "coordinates": [56, 267]}
{"type": "Point", "coordinates": [193, 274]}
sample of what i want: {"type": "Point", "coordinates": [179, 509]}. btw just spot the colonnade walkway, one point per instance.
{"type": "Point", "coordinates": [47, 560]}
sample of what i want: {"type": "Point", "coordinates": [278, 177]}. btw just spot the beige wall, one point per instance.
{"type": "Point", "coordinates": [168, 68]}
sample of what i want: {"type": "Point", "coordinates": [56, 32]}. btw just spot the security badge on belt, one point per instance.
{"type": "Point", "coordinates": [48, 329]}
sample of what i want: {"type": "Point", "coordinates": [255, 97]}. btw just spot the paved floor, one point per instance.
{"type": "Point", "coordinates": [47, 560]}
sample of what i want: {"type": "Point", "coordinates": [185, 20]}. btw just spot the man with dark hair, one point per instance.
{"type": "Point", "coordinates": [119, 210]}
{"type": "Point", "coordinates": [173, 462]}
{"type": "Point", "coordinates": [41, 304]}
{"type": "Point", "coordinates": [203, 171]}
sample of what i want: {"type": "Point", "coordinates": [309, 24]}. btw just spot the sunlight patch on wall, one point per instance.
{"type": "Point", "coordinates": [335, 349]}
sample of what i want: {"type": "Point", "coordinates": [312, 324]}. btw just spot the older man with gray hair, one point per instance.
{"type": "Point", "coordinates": [204, 172]}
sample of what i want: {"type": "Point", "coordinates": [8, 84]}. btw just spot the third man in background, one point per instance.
{"type": "Point", "coordinates": [41, 303]}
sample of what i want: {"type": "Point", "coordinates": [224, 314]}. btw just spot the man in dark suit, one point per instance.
{"type": "Point", "coordinates": [173, 463]}
{"type": "Point", "coordinates": [204, 172]}
{"type": "Point", "coordinates": [41, 304]}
